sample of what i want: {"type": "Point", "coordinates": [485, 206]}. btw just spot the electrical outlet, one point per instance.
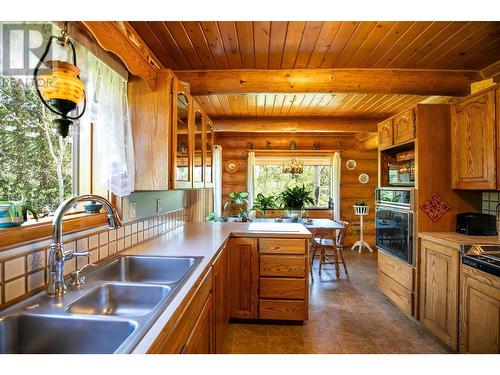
{"type": "Point", "coordinates": [133, 210]}
{"type": "Point", "coordinates": [159, 205]}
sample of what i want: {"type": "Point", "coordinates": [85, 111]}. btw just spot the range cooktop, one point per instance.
{"type": "Point", "coordinates": [483, 257]}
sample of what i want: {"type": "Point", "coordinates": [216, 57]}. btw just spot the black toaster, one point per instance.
{"type": "Point", "coordinates": [476, 224]}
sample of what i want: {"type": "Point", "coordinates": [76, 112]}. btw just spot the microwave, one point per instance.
{"type": "Point", "coordinates": [401, 174]}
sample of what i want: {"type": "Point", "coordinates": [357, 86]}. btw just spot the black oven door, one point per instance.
{"type": "Point", "coordinates": [394, 232]}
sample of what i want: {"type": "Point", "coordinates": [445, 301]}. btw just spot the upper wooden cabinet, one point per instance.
{"type": "Point", "coordinates": [398, 129]}
{"type": "Point", "coordinates": [151, 116]}
{"type": "Point", "coordinates": [385, 134]}
{"type": "Point", "coordinates": [209, 152]}
{"type": "Point", "coordinates": [199, 146]}
{"type": "Point", "coordinates": [474, 141]}
{"type": "Point", "coordinates": [182, 136]}
{"type": "Point", "coordinates": [404, 126]}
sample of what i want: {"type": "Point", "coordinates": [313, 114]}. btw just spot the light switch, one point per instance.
{"type": "Point", "coordinates": [132, 210]}
{"type": "Point", "coordinates": [159, 205]}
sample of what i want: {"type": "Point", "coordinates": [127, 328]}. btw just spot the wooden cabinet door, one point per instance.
{"type": "Point", "coordinates": [150, 117]}
{"type": "Point", "coordinates": [198, 146]}
{"type": "Point", "coordinates": [221, 297]}
{"type": "Point", "coordinates": [182, 137]}
{"type": "Point", "coordinates": [209, 153]}
{"type": "Point", "coordinates": [244, 261]}
{"type": "Point", "coordinates": [439, 285]}
{"type": "Point", "coordinates": [385, 134]}
{"type": "Point", "coordinates": [404, 126]}
{"type": "Point", "coordinates": [473, 143]}
{"type": "Point", "coordinates": [479, 312]}
{"type": "Point", "coordinates": [200, 340]}
{"type": "Point", "coordinates": [175, 335]}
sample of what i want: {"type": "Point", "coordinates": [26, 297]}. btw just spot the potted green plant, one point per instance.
{"type": "Point", "coordinates": [212, 217]}
{"type": "Point", "coordinates": [263, 203]}
{"type": "Point", "coordinates": [15, 213]}
{"type": "Point", "coordinates": [234, 206]}
{"type": "Point", "coordinates": [295, 200]}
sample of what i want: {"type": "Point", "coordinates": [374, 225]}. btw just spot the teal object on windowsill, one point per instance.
{"type": "Point", "coordinates": [12, 213]}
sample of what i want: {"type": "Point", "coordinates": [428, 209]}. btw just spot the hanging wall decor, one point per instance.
{"type": "Point", "coordinates": [232, 166]}
{"type": "Point", "coordinates": [363, 178]}
{"type": "Point", "coordinates": [435, 207]}
{"type": "Point", "coordinates": [350, 164]}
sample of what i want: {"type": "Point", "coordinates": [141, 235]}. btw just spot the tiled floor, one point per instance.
{"type": "Point", "coordinates": [348, 315]}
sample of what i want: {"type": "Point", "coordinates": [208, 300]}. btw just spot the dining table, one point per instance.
{"type": "Point", "coordinates": [320, 228]}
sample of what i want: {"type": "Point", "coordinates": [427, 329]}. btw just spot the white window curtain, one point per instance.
{"type": "Point", "coordinates": [250, 177]}
{"type": "Point", "coordinates": [107, 109]}
{"type": "Point", "coordinates": [335, 181]}
{"type": "Point", "coordinates": [218, 180]}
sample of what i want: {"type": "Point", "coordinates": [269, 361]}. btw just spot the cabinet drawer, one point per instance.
{"type": "Point", "coordinates": [282, 288]}
{"type": "Point", "coordinates": [283, 265]}
{"type": "Point", "coordinates": [282, 246]}
{"type": "Point", "coordinates": [402, 297]}
{"type": "Point", "coordinates": [282, 309]}
{"type": "Point", "coordinates": [396, 270]}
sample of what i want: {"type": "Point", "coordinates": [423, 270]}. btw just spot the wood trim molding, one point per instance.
{"type": "Point", "coordinates": [18, 236]}
{"type": "Point", "coordinates": [121, 39]}
{"type": "Point", "coordinates": [379, 81]}
{"type": "Point", "coordinates": [492, 70]}
{"type": "Point", "coordinates": [295, 124]}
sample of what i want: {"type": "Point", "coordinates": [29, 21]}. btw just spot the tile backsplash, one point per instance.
{"type": "Point", "coordinates": [24, 272]}
{"type": "Point", "coordinates": [489, 204]}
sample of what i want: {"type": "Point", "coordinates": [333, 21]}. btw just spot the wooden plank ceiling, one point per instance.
{"type": "Point", "coordinates": [213, 45]}
{"type": "Point", "coordinates": [341, 105]}
{"type": "Point", "coordinates": [298, 45]}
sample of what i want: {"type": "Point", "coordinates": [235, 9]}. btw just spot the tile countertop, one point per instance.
{"type": "Point", "coordinates": [455, 240]}
{"type": "Point", "coordinates": [201, 239]}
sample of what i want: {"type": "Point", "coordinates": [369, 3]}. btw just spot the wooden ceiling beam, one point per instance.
{"type": "Point", "coordinates": [294, 124]}
{"type": "Point", "coordinates": [380, 81]}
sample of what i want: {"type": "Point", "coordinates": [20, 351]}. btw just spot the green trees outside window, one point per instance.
{"type": "Point", "coordinates": [35, 162]}
{"type": "Point", "coordinates": [270, 180]}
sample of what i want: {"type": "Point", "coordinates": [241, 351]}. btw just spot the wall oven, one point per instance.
{"type": "Point", "coordinates": [394, 222]}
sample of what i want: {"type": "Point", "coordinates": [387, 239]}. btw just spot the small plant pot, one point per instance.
{"type": "Point", "coordinates": [361, 210]}
{"type": "Point", "coordinates": [6, 220]}
{"type": "Point", "coordinates": [295, 215]}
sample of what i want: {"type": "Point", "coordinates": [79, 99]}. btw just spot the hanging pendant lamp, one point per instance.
{"type": "Point", "coordinates": [60, 88]}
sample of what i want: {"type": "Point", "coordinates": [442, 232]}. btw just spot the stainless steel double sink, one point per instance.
{"type": "Point", "coordinates": [110, 313]}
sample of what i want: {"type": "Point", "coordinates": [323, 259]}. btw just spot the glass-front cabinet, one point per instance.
{"type": "Point", "coordinates": [209, 152]}
{"type": "Point", "coordinates": [182, 143]}
{"type": "Point", "coordinates": [199, 146]}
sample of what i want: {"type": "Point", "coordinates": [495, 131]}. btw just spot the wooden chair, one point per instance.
{"type": "Point", "coordinates": [324, 240]}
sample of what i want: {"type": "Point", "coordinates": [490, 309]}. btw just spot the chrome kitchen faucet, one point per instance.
{"type": "Point", "coordinates": [57, 255]}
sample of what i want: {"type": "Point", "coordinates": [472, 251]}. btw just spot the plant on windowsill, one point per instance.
{"type": "Point", "coordinates": [234, 207]}
{"type": "Point", "coordinates": [15, 213]}
{"type": "Point", "coordinates": [213, 218]}
{"type": "Point", "coordinates": [295, 200]}
{"type": "Point", "coordinates": [263, 203]}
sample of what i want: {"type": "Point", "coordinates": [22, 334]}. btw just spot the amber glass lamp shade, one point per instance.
{"type": "Point", "coordinates": [61, 86]}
